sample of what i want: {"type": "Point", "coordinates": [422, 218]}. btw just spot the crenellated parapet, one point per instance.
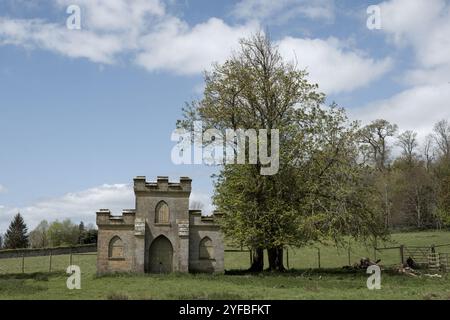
{"type": "Point", "coordinates": [105, 218]}
{"type": "Point", "coordinates": [162, 184]}
{"type": "Point", "coordinates": [197, 219]}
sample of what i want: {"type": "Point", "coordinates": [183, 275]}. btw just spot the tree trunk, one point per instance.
{"type": "Point", "coordinates": [258, 260]}
{"type": "Point", "coordinates": [276, 259]}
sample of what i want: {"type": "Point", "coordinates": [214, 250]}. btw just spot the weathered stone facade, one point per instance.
{"type": "Point", "coordinates": [161, 234]}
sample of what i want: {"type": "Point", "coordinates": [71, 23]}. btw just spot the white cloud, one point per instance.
{"type": "Point", "coordinates": [3, 189]}
{"type": "Point", "coordinates": [203, 198]}
{"type": "Point", "coordinates": [117, 15]}
{"type": "Point", "coordinates": [183, 50]}
{"type": "Point", "coordinates": [332, 65]}
{"type": "Point", "coordinates": [423, 27]}
{"type": "Point", "coordinates": [144, 32]}
{"type": "Point", "coordinates": [422, 24]}
{"type": "Point", "coordinates": [76, 206]}
{"type": "Point", "coordinates": [417, 108]}
{"type": "Point", "coordinates": [75, 44]}
{"type": "Point", "coordinates": [282, 11]}
{"type": "Point", "coordinates": [82, 205]}
{"type": "Point", "coordinates": [140, 30]}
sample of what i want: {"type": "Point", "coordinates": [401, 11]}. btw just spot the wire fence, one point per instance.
{"type": "Point", "coordinates": [326, 257]}
{"type": "Point", "coordinates": [48, 263]}
{"type": "Point", "coordinates": [313, 257]}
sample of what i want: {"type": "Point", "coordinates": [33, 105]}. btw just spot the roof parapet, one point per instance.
{"type": "Point", "coordinates": [162, 184]}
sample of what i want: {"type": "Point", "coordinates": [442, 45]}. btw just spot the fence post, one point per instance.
{"type": "Point", "coordinates": [318, 257]}
{"type": "Point", "coordinates": [70, 256]}
{"type": "Point", "coordinates": [402, 254]}
{"type": "Point", "coordinates": [50, 262]}
{"type": "Point", "coordinates": [23, 262]}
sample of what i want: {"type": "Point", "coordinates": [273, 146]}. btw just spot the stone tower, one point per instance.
{"type": "Point", "coordinates": [161, 234]}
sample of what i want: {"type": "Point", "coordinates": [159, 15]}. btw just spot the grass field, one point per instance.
{"type": "Point", "coordinates": [302, 281]}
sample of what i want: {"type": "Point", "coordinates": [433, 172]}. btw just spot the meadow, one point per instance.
{"type": "Point", "coordinates": [303, 280]}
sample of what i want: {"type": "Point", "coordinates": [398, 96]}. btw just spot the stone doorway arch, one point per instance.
{"type": "Point", "coordinates": [161, 256]}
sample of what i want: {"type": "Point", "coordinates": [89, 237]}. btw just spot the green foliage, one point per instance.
{"type": "Point", "coordinates": [320, 191]}
{"type": "Point", "coordinates": [304, 282]}
{"type": "Point", "coordinates": [63, 233]}
{"type": "Point", "coordinates": [16, 236]}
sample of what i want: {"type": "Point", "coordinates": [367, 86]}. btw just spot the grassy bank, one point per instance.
{"type": "Point", "coordinates": [301, 282]}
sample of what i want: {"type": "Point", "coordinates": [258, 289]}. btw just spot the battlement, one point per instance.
{"type": "Point", "coordinates": [105, 218]}
{"type": "Point", "coordinates": [162, 184]}
{"type": "Point", "coordinates": [197, 219]}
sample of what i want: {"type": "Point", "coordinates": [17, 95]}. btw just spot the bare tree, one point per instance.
{"type": "Point", "coordinates": [428, 151]}
{"type": "Point", "coordinates": [408, 142]}
{"type": "Point", "coordinates": [375, 137]}
{"type": "Point", "coordinates": [442, 138]}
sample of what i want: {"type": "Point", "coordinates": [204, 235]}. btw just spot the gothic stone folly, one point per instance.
{"type": "Point", "coordinates": [161, 234]}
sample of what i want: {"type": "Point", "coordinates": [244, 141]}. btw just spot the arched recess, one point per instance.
{"type": "Point", "coordinates": [161, 255]}
{"type": "Point", "coordinates": [206, 249]}
{"type": "Point", "coordinates": [116, 248]}
{"type": "Point", "coordinates": [162, 214]}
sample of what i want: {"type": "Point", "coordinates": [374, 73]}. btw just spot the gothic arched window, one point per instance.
{"type": "Point", "coordinates": [162, 213]}
{"type": "Point", "coordinates": [206, 249]}
{"type": "Point", "coordinates": [116, 248]}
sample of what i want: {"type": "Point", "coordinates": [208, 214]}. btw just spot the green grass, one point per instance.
{"type": "Point", "coordinates": [301, 282]}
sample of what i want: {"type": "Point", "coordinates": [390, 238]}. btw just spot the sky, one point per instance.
{"type": "Point", "coordinates": [84, 111]}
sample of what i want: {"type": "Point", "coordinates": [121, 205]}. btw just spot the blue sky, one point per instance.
{"type": "Point", "coordinates": [84, 111]}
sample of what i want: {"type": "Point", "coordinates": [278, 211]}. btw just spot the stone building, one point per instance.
{"type": "Point", "coordinates": [161, 234]}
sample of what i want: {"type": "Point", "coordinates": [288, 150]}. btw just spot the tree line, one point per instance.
{"type": "Point", "coordinates": [45, 235]}
{"type": "Point", "coordinates": [414, 186]}
{"type": "Point", "coordinates": [337, 178]}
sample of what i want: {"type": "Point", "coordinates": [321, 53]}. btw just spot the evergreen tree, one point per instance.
{"type": "Point", "coordinates": [16, 236]}
{"type": "Point", "coordinates": [81, 233]}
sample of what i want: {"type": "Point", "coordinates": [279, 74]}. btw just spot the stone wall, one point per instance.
{"type": "Point", "coordinates": [149, 244]}
{"type": "Point", "coordinates": [200, 228]}
{"type": "Point", "coordinates": [110, 227]}
{"type": "Point", "coordinates": [15, 253]}
{"type": "Point", "coordinates": [176, 196]}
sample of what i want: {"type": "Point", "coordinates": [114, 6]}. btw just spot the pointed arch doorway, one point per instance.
{"type": "Point", "coordinates": [161, 256]}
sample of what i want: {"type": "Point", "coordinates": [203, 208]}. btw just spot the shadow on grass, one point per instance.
{"type": "Point", "coordinates": [38, 276]}
{"type": "Point", "coordinates": [298, 272]}
{"type": "Point", "coordinates": [18, 284]}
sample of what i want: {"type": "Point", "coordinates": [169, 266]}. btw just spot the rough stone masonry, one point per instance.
{"type": "Point", "coordinates": [161, 234]}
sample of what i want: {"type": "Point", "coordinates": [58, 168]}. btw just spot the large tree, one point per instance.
{"type": "Point", "coordinates": [16, 236]}
{"type": "Point", "coordinates": [319, 190]}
